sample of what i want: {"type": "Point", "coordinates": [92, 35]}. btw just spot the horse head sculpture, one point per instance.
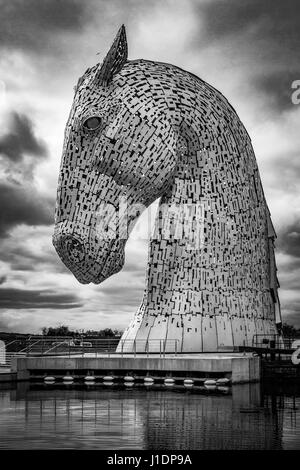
{"type": "Point", "coordinates": [141, 130]}
{"type": "Point", "coordinates": [118, 143]}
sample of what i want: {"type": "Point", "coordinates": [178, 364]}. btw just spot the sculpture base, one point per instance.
{"type": "Point", "coordinates": [239, 368]}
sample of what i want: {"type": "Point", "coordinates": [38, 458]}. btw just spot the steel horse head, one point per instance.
{"type": "Point", "coordinates": [141, 130]}
{"type": "Point", "coordinates": [119, 142]}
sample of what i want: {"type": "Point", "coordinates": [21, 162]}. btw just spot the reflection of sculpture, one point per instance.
{"type": "Point", "coordinates": [153, 419]}
{"type": "Point", "coordinates": [139, 130]}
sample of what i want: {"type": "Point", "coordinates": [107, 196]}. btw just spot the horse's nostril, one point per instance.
{"type": "Point", "coordinates": [73, 249]}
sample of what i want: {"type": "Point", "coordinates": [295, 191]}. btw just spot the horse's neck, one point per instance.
{"type": "Point", "coordinates": [208, 257]}
{"type": "Point", "coordinates": [178, 233]}
{"type": "Point", "coordinates": [190, 249]}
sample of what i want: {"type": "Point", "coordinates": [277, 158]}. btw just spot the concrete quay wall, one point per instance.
{"type": "Point", "coordinates": [239, 368]}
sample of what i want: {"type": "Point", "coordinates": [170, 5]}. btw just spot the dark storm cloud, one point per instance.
{"type": "Point", "coordinates": [34, 24]}
{"type": "Point", "coordinates": [20, 151]}
{"type": "Point", "coordinates": [11, 298]}
{"type": "Point", "coordinates": [134, 268]}
{"type": "Point", "coordinates": [21, 140]}
{"type": "Point", "coordinates": [291, 314]}
{"type": "Point", "coordinates": [278, 86]}
{"type": "Point", "coordinates": [288, 268]}
{"type": "Point", "coordinates": [275, 19]}
{"type": "Point", "coordinates": [264, 31]}
{"type": "Point", "coordinates": [289, 239]}
{"type": "Point", "coordinates": [284, 174]}
{"type": "Point", "coordinates": [289, 278]}
{"type": "Point", "coordinates": [2, 279]}
{"type": "Point", "coordinates": [121, 295]}
{"type": "Point", "coordinates": [21, 258]}
{"type": "Point", "coordinates": [22, 205]}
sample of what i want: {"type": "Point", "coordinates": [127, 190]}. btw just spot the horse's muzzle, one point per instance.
{"type": "Point", "coordinates": [70, 247]}
{"type": "Point", "coordinates": [89, 260]}
{"type": "Point", "coordinates": [73, 249]}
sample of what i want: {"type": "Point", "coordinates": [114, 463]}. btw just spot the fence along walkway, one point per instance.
{"type": "Point", "coordinates": [67, 346]}
{"type": "Point", "coordinates": [39, 345]}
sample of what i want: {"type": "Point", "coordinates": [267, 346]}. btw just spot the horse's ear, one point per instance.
{"type": "Point", "coordinates": [115, 59]}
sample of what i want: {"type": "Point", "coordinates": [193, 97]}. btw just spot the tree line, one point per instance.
{"type": "Point", "coordinates": [288, 330]}
{"type": "Point", "coordinates": [64, 330]}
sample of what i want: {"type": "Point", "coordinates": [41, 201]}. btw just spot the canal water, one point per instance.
{"type": "Point", "coordinates": [116, 417]}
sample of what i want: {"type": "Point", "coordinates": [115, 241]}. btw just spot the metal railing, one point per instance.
{"type": "Point", "coordinates": [5, 360]}
{"type": "Point", "coordinates": [94, 347]}
{"type": "Point", "coordinates": [272, 341]}
{"type": "Point", "coordinates": [69, 346]}
{"type": "Point", "coordinates": [15, 345]}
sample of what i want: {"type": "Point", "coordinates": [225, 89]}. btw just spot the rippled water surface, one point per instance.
{"type": "Point", "coordinates": [246, 417]}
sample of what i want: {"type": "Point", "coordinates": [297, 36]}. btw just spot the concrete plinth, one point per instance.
{"type": "Point", "coordinates": [239, 368]}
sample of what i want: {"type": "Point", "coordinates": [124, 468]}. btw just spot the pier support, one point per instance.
{"type": "Point", "coordinates": [239, 368]}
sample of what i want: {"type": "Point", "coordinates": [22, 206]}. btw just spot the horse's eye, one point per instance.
{"type": "Point", "coordinates": [92, 123]}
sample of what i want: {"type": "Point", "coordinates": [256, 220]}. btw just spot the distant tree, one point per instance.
{"type": "Point", "coordinates": [118, 332]}
{"type": "Point", "coordinates": [289, 330]}
{"type": "Point", "coordinates": [64, 330]}
{"type": "Point", "coordinates": [61, 330]}
{"type": "Point", "coordinates": [93, 333]}
{"type": "Point", "coordinates": [107, 333]}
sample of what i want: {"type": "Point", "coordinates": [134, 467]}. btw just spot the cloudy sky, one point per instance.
{"type": "Point", "coordinates": [248, 49]}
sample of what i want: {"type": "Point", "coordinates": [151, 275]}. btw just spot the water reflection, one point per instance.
{"type": "Point", "coordinates": [98, 417]}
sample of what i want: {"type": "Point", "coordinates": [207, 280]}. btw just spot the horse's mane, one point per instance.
{"type": "Point", "coordinates": [91, 71]}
